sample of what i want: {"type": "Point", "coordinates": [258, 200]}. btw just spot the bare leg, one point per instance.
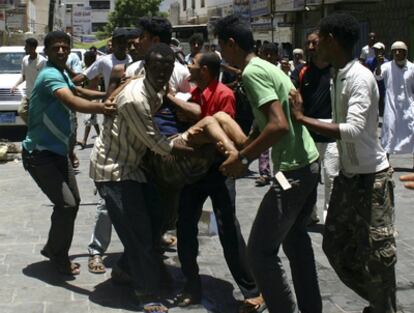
{"type": "Point", "coordinates": [85, 136]}
{"type": "Point", "coordinates": [218, 128]}
{"type": "Point", "coordinates": [97, 129]}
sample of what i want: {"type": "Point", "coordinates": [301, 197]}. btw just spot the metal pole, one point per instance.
{"type": "Point", "coordinates": [51, 15]}
{"type": "Point", "coordinates": [272, 18]}
{"type": "Point", "coordinates": [322, 8]}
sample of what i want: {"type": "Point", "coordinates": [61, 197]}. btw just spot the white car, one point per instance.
{"type": "Point", "coordinates": [10, 71]}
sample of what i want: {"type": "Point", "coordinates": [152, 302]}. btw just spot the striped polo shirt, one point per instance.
{"type": "Point", "coordinates": [125, 137]}
{"type": "Point", "coordinates": [49, 126]}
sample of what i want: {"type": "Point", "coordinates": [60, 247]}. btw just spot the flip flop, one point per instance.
{"type": "Point", "coordinates": [155, 307]}
{"type": "Point", "coordinates": [95, 264]}
{"type": "Point", "coordinates": [253, 305]}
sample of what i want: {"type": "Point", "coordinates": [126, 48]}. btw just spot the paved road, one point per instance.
{"type": "Point", "coordinates": [30, 285]}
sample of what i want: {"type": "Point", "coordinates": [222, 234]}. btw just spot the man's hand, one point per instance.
{"type": "Point", "coordinates": [232, 166]}
{"type": "Point", "coordinates": [409, 179]}
{"type": "Point", "coordinates": [296, 104]}
{"type": "Point", "coordinates": [109, 107]}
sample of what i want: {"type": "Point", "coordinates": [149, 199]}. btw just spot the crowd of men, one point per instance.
{"type": "Point", "coordinates": [174, 135]}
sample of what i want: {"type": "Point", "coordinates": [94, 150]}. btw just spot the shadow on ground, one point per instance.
{"type": "Point", "coordinates": [217, 294]}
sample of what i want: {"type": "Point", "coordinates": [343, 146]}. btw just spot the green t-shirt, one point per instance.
{"type": "Point", "coordinates": [49, 126]}
{"type": "Point", "coordinates": [264, 83]}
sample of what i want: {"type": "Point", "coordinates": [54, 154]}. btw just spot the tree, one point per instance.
{"type": "Point", "coordinates": [127, 12]}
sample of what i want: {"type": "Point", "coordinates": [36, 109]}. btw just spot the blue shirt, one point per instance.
{"type": "Point", "coordinates": [49, 126]}
{"type": "Point", "coordinates": [74, 63]}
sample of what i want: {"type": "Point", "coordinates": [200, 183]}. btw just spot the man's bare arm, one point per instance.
{"type": "Point", "coordinates": [276, 127]}
{"type": "Point", "coordinates": [190, 110]}
{"type": "Point", "coordinates": [89, 93]}
{"type": "Point", "coordinates": [68, 98]}
{"type": "Point", "coordinates": [79, 79]}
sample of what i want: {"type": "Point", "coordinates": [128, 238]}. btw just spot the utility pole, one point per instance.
{"type": "Point", "coordinates": [51, 15]}
{"type": "Point", "coordinates": [272, 17]}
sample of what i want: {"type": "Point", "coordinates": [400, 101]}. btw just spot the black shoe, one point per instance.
{"type": "Point", "coordinates": [185, 299]}
{"type": "Point", "coordinates": [367, 310]}
{"type": "Point", "coordinates": [262, 181]}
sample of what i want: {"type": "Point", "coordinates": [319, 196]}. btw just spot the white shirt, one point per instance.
{"type": "Point", "coordinates": [179, 79]}
{"type": "Point", "coordinates": [367, 52]}
{"type": "Point", "coordinates": [103, 66]}
{"type": "Point", "coordinates": [397, 134]}
{"type": "Point", "coordinates": [30, 69]}
{"type": "Point", "coordinates": [355, 97]}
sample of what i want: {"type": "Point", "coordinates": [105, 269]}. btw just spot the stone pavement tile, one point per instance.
{"type": "Point", "coordinates": [67, 307]}
{"type": "Point", "coordinates": [348, 302]}
{"type": "Point", "coordinates": [4, 269]}
{"type": "Point", "coordinates": [6, 294]}
{"type": "Point", "coordinates": [22, 308]}
{"type": "Point", "coordinates": [29, 294]}
{"type": "Point", "coordinates": [330, 307]}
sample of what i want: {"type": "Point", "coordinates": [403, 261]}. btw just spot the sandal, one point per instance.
{"type": "Point", "coordinates": [168, 240]}
{"type": "Point", "coordinates": [71, 268]}
{"type": "Point", "coordinates": [95, 264]}
{"type": "Point", "coordinates": [155, 307]}
{"type": "Point", "coordinates": [253, 305]}
{"type": "Point", "coordinates": [65, 267]}
{"type": "Point", "coordinates": [186, 299]}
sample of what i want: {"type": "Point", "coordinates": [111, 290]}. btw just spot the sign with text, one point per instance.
{"type": "Point", "coordinates": [259, 7]}
{"type": "Point", "coordinates": [81, 20]}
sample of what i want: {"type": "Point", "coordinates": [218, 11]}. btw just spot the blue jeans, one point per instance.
{"type": "Point", "coordinates": [281, 220]}
{"type": "Point", "coordinates": [136, 218]}
{"type": "Point", "coordinates": [102, 231]}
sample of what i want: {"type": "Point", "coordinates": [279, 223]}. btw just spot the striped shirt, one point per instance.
{"type": "Point", "coordinates": [118, 151]}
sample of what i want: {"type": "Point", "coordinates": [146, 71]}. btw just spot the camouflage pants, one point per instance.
{"type": "Point", "coordinates": [359, 237]}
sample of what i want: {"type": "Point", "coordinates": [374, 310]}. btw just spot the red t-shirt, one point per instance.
{"type": "Point", "coordinates": [215, 98]}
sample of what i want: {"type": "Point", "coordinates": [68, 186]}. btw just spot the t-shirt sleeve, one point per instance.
{"type": "Point", "coordinates": [55, 80]}
{"type": "Point", "coordinates": [94, 70]}
{"type": "Point", "coordinates": [259, 86]}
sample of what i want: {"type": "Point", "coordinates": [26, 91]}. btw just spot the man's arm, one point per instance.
{"type": "Point", "coordinates": [79, 79]}
{"type": "Point", "coordinates": [21, 79]}
{"type": "Point", "coordinates": [189, 110]}
{"type": "Point", "coordinates": [68, 98]}
{"type": "Point", "coordinates": [276, 127]}
{"type": "Point", "coordinates": [89, 94]}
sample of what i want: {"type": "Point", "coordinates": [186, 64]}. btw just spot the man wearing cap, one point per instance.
{"type": "Point", "coordinates": [371, 63]}
{"type": "Point", "coordinates": [297, 59]}
{"type": "Point", "coordinates": [101, 236]}
{"type": "Point", "coordinates": [397, 135]}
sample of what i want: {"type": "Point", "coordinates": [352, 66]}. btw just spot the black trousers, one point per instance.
{"type": "Point", "coordinates": [222, 192]}
{"type": "Point", "coordinates": [54, 175]}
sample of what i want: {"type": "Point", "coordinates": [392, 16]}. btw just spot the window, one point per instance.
{"type": "Point", "coordinates": [184, 5]}
{"type": "Point", "coordinates": [193, 4]}
{"type": "Point", "coordinates": [100, 5]}
{"type": "Point", "coordinates": [203, 3]}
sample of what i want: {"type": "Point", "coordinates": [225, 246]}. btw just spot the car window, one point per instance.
{"type": "Point", "coordinates": [11, 62]}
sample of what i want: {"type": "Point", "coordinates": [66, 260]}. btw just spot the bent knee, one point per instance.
{"type": "Point", "coordinates": [221, 116]}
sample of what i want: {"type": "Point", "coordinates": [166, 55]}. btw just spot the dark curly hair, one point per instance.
{"type": "Point", "coordinates": [232, 26]}
{"type": "Point", "coordinates": [56, 36]}
{"type": "Point", "coordinates": [160, 48]}
{"type": "Point", "coordinates": [343, 27]}
{"type": "Point", "coordinates": [156, 26]}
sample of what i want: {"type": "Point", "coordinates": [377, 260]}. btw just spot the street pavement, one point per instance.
{"type": "Point", "coordinates": [29, 284]}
